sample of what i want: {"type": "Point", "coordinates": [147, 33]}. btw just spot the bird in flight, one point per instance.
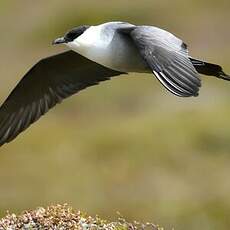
{"type": "Point", "coordinates": [96, 54]}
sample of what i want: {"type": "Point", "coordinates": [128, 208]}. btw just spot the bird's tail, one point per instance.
{"type": "Point", "coordinates": [209, 69]}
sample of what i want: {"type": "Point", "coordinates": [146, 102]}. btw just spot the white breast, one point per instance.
{"type": "Point", "coordinates": [105, 46]}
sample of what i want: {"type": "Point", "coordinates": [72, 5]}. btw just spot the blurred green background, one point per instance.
{"type": "Point", "coordinates": [126, 145]}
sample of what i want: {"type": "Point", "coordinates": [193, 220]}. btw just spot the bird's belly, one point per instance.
{"type": "Point", "coordinates": [120, 55]}
{"type": "Point", "coordinates": [125, 59]}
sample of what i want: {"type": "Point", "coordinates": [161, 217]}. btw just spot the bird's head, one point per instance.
{"type": "Point", "coordinates": [71, 35]}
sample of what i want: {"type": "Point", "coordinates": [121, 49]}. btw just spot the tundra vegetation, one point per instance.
{"type": "Point", "coordinates": [65, 217]}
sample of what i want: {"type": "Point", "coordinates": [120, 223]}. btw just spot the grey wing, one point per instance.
{"type": "Point", "coordinates": [46, 84]}
{"type": "Point", "coordinates": [167, 57]}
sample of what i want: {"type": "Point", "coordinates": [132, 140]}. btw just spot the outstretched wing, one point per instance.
{"type": "Point", "coordinates": [167, 57]}
{"type": "Point", "coordinates": [46, 84]}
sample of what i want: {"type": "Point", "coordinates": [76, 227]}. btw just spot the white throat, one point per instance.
{"type": "Point", "coordinates": [93, 44]}
{"type": "Point", "coordinates": [103, 45]}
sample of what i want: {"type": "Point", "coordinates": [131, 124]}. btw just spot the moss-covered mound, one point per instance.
{"type": "Point", "coordinates": [61, 217]}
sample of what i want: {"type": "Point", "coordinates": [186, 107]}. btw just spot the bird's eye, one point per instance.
{"type": "Point", "coordinates": [70, 36]}
{"type": "Point", "coordinates": [74, 33]}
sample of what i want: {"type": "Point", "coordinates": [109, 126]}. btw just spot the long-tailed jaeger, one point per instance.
{"type": "Point", "coordinates": [96, 54]}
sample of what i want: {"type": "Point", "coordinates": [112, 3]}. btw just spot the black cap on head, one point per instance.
{"type": "Point", "coordinates": [75, 32]}
{"type": "Point", "coordinates": [71, 35]}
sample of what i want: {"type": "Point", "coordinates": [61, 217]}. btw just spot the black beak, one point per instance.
{"type": "Point", "coordinates": [59, 41]}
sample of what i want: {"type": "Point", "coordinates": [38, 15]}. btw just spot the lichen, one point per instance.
{"type": "Point", "coordinates": [62, 217]}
